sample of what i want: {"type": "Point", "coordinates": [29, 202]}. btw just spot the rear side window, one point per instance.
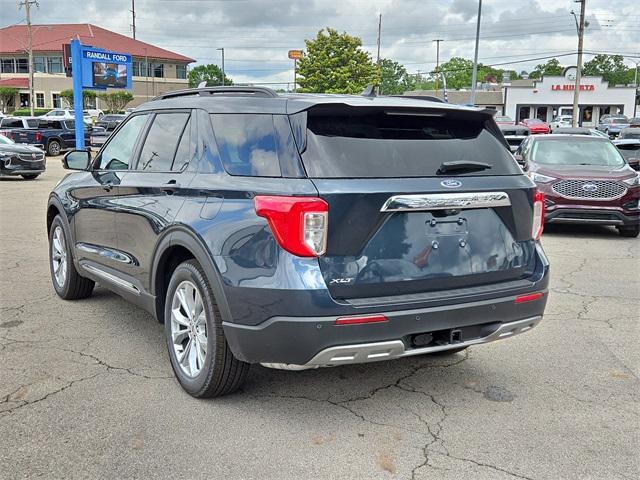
{"type": "Point", "coordinates": [363, 142]}
{"type": "Point", "coordinates": [32, 123]}
{"type": "Point", "coordinates": [247, 144]}
{"type": "Point", "coordinates": [11, 123]}
{"type": "Point", "coordinates": [161, 142]}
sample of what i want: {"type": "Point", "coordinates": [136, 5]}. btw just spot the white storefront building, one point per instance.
{"type": "Point", "coordinates": [553, 95]}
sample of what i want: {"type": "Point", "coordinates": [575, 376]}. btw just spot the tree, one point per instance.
{"type": "Point", "coordinates": [212, 74]}
{"type": "Point", "coordinates": [117, 100]}
{"type": "Point", "coordinates": [394, 79]}
{"type": "Point", "coordinates": [458, 72]}
{"type": "Point", "coordinates": [335, 63]}
{"type": "Point", "coordinates": [552, 67]}
{"type": "Point", "coordinates": [611, 68]}
{"type": "Point", "coordinates": [88, 96]}
{"type": "Point", "coordinates": [7, 94]}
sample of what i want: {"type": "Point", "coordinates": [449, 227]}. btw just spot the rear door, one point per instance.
{"type": "Point", "coordinates": [154, 190]}
{"type": "Point", "coordinates": [400, 225]}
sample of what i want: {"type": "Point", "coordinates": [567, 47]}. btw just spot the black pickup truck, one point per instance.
{"type": "Point", "coordinates": [53, 136]}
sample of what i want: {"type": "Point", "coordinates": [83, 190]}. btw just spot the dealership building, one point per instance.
{"type": "Point", "coordinates": [550, 96]}
{"type": "Point", "coordinates": [155, 70]}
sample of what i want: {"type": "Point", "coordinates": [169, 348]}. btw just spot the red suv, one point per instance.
{"type": "Point", "coordinates": [584, 179]}
{"type": "Point", "coordinates": [535, 125]}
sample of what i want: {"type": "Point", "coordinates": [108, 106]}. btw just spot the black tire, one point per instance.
{"type": "Point", "coordinates": [221, 373]}
{"type": "Point", "coordinates": [54, 148]}
{"type": "Point", "coordinates": [30, 176]}
{"type": "Point", "coordinates": [74, 285]}
{"type": "Point", "coordinates": [443, 353]}
{"type": "Point", "coordinates": [631, 232]}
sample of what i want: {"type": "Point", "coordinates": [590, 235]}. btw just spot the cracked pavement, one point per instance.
{"type": "Point", "coordinates": [86, 389]}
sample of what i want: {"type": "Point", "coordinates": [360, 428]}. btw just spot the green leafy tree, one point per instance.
{"type": "Point", "coordinates": [7, 95]}
{"type": "Point", "coordinates": [458, 72]}
{"type": "Point", "coordinates": [88, 96]}
{"type": "Point", "coordinates": [611, 68]}
{"type": "Point", "coordinates": [552, 67]}
{"type": "Point", "coordinates": [212, 74]}
{"type": "Point", "coordinates": [117, 100]}
{"type": "Point", "coordinates": [335, 63]}
{"type": "Point", "coordinates": [394, 79]}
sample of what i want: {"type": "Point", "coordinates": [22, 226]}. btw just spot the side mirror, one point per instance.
{"type": "Point", "coordinates": [77, 160]}
{"type": "Point", "coordinates": [634, 163]}
{"type": "Point", "coordinates": [521, 161]}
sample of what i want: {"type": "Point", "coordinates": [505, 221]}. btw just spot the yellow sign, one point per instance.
{"type": "Point", "coordinates": [295, 54]}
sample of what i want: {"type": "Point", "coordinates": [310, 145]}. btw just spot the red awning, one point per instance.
{"type": "Point", "coordinates": [15, 82]}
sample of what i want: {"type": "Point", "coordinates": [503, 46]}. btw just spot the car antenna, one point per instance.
{"type": "Point", "coordinates": [369, 91]}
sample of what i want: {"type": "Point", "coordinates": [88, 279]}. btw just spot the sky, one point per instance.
{"type": "Point", "coordinates": [256, 34]}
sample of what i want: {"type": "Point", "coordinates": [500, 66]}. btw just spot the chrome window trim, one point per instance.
{"type": "Point", "coordinates": [445, 201]}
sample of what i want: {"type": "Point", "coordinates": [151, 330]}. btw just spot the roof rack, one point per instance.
{"type": "Point", "coordinates": [233, 90]}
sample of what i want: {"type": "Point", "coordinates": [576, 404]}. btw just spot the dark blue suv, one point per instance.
{"type": "Point", "coordinates": [301, 231]}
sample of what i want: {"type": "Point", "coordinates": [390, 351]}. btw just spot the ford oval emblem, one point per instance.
{"type": "Point", "coordinates": [451, 183]}
{"type": "Point", "coordinates": [590, 187]}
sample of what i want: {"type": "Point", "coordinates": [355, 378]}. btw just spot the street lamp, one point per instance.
{"type": "Point", "coordinates": [222, 50]}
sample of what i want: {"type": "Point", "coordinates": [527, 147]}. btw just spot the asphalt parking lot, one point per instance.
{"type": "Point", "coordinates": [86, 389]}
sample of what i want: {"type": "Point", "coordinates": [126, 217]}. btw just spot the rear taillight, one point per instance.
{"type": "Point", "coordinates": [38, 136]}
{"type": "Point", "coordinates": [360, 320]}
{"type": "Point", "coordinates": [530, 297]}
{"type": "Point", "coordinates": [299, 224]}
{"type": "Point", "coordinates": [538, 215]}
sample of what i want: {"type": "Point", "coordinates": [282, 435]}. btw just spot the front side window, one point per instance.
{"type": "Point", "coordinates": [161, 142]}
{"type": "Point", "coordinates": [247, 144]}
{"type": "Point", "coordinates": [117, 154]}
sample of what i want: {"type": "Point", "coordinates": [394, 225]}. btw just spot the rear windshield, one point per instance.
{"type": "Point", "coordinates": [356, 143]}
{"type": "Point", "coordinates": [619, 120]}
{"type": "Point", "coordinates": [576, 151]}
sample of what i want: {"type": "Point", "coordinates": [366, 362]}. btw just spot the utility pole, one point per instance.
{"type": "Point", "coordinates": [133, 18]}
{"type": "Point", "coordinates": [474, 76]}
{"type": "Point", "coordinates": [222, 49]}
{"type": "Point", "coordinates": [437, 40]}
{"type": "Point", "coordinates": [378, 56]}
{"type": "Point", "coordinates": [576, 89]}
{"type": "Point", "coordinates": [27, 7]}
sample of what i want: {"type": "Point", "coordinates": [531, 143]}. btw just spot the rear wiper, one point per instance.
{"type": "Point", "coordinates": [461, 166]}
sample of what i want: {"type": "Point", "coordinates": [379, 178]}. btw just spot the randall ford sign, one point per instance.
{"type": "Point", "coordinates": [102, 56]}
{"type": "Point", "coordinates": [583, 88]}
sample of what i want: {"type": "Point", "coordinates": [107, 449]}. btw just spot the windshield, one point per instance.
{"type": "Point", "coordinates": [503, 119]}
{"type": "Point", "coordinates": [619, 120]}
{"type": "Point", "coordinates": [5, 141]}
{"type": "Point", "coordinates": [575, 151]}
{"type": "Point", "coordinates": [535, 120]}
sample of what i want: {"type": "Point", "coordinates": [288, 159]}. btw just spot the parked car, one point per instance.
{"type": "Point", "coordinates": [580, 131]}
{"type": "Point", "coordinates": [629, 133]}
{"type": "Point", "coordinates": [561, 121]}
{"type": "Point", "coordinates": [201, 209]}
{"type": "Point", "coordinates": [10, 123]}
{"type": "Point", "coordinates": [94, 113]}
{"type": "Point", "coordinates": [613, 124]}
{"type": "Point", "coordinates": [110, 122]}
{"type": "Point", "coordinates": [584, 179]}
{"type": "Point", "coordinates": [54, 136]}
{"type": "Point", "coordinates": [535, 125]}
{"type": "Point", "coordinates": [630, 150]}
{"type": "Point", "coordinates": [23, 160]}
{"type": "Point", "coordinates": [66, 114]}
{"type": "Point", "coordinates": [514, 135]}
{"type": "Point", "coordinates": [634, 122]}
{"type": "Point", "coordinates": [504, 120]}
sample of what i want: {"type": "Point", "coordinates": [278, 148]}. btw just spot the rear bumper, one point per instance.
{"type": "Point", "coordinates": [318, 341]}
{"type": "Point", "coordinates": [592, 216]}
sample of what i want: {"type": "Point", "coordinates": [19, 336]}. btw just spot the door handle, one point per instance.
{"type": "Point", "coordinates": [170, 187]}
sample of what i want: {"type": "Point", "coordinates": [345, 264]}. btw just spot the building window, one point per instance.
{"type": "Point", "coordinates": [39, 64]}
{"type": "Point", "coordinates": [181, 71]}
{"type": "Point", "coordinates": [8, 65]}
{"type": "Point", "coordinates": [158, 70]}
{"type": "Point", "coordinates": [54, 65]}
{"type": "Point", "coordinates": [39, 100]}
{"type": "Point", "coordinates": [22, 65]}
{"type": "Point", "coordinates": [587, 114]}
{"type": "Point", "coordinates": [24, 100]}
{"type": "Point", "coordinates": [137, 68]}
{"type": "Point", "coordinates": [55, 100]}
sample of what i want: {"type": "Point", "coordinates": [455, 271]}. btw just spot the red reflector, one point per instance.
{"type": "Point", "coordinates": [529, 297]}
{"type": "Point", "coordinates": [357, 320]}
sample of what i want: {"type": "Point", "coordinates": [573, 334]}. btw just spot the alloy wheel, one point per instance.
{"type": "Point", "coordinates": [189, 328]}
{"type": "Point", "coordinates": [59, 256]}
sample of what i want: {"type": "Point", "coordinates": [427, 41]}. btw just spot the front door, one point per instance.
{"type": "Point", "coordinates": [96, 193]}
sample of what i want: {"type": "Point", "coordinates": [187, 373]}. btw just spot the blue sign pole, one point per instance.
{"type": "Point", "coordinates": [76, 65]}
